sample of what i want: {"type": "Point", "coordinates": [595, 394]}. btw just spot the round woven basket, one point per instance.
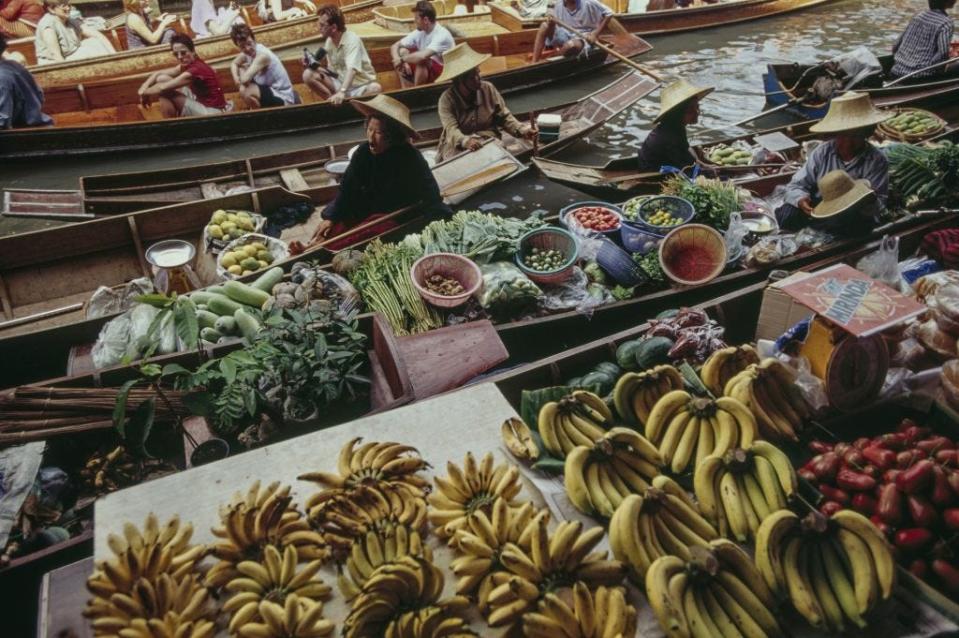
{"type": "Point", "coordinates": [889, 132]}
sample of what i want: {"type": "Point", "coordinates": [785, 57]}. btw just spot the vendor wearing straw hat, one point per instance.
{"type": "Point", "coordinates": [472, 110]}
{"type": "Point", "coordinates": [667, 144]}
{"type": "Point", "coordinates": [386, 173]}
{"type": "Point", "coordinates": [850, 121]}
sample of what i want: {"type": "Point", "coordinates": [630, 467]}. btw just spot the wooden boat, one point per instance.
{"type": "Point", "coordinates": [785, 83]}
{"type": "Point", "coordinates": [301, 171]}
{"type": "Point", "coordinates": [73, 261]}
{"type": "Point", "coordinates": [106, 116]}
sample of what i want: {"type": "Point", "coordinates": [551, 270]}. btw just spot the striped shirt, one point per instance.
{"type": "Point", "coordinates": [924, 42]}
{"type": "Point", "coordinates": [871, 165]}
{"type": "Point", "coordinates": [585, 17]}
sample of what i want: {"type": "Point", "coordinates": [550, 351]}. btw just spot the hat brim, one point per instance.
{"type": "Point", "coordinates": [367, 109]}
{"type": "Point", "coordinates": [840, 125]}
{"type": "Point", "coordinates": [832, 208]}
{"type": "Point", "coordinates": [700, 94]}
{"type": "Point", "coordinates": [454, 71]}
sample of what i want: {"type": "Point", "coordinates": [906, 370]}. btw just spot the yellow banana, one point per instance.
{"type": "Point", "coordinates": [885, 565]}
{"type": "Point", "coordinates": [663, 411]}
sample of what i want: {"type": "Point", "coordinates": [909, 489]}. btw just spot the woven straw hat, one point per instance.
{"type": "Point", "coordinates": [460, 59]}
{"type": "Point", "coordinates": [848, 112]}
{"type": "Point", "coordinates": [840, 192]}
{"type": "Point", "coordinates": [390, 107]}
{"type": "Point", "coordinates": [676, 94]}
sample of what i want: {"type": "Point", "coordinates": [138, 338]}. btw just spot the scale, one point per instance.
{"type": "Point", "coordinates": [171, 266]}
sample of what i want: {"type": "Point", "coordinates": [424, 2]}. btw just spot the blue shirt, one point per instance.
{"type": "Point", "coordinates": [585, 17]}
{"type": "Point", "coordinates": [21, 100]}
{"type": "Point", "coordinates": [871, 165]}
{"type": "Point", "coordinates": [924, 42]}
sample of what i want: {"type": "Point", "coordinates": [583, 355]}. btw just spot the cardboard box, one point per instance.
{"type": "Point", "coordinates": [779, 311]}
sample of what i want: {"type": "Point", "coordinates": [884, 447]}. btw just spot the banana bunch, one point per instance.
{"type": "Point", "coordinates": [833, 571]}
{"type": "Point", "coordinates": [474, 487]}
{"type": "Point", "coordinates": [600, 477]}
{"type": "Point", "coordinates": [376, 549]}
{"type": "Point", "coordinates": [295, 618]}
{"type": "Point", "coordinates": [687, 429]}
{"type": "Point", "coordinates": [579, 418]}
{"type": "Point", "coordinates": [431, 622]}
{"type": "Point", "coordinates": [636, 393]}
{"type": "Point", "coordinates": [664, 521]}
{"type": "Point", "coordinates": [407, 585]}
{"type": "Point", "coordinates": [250, 522]}
{"type": "Point", "coordinates": [717, 593]}
{"type": "Point", "coordinates": [551, 560]}
{"type": "Point", "coordinates": [374, 463]}
{"type": "Point", "coordinates": [769, 390]}
{"type": "Point", "coordinates": [518, 439]}
{"type": "Point", "coordinates": [579, 613]}
{"type": "Point", "coordinates": [722, 365]}
{"type": "Point", "coordinates": [739, 490]}
{"type": "Point", "coordinates": [275, 579]}
{"type": "Point", "coordinates": [155, 608]}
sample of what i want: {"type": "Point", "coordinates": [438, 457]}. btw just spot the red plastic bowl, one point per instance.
{"type": "Point", "coordinates": [447, 265]}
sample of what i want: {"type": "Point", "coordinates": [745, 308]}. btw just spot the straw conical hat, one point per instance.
{"type": "Point", "coordinates": [460, 59]}
{"type": "Point", "coordinates": [385, 105]}
{"type": "Point", "coordinates": [848, 112]}
{"type": "Point", "coordinates": [840, 192]}
{"type": "Point", "coordinates": [676, 93]}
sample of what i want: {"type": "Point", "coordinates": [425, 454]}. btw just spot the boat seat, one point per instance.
{"type": "Point", "coordinates": [293, 179]}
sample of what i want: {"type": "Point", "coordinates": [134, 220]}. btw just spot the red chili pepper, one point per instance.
{"type": "Point", "coordinates": [923, 512]}
{"type": "Point", "coordinates": [916, 478]}
{"type": "Point", "coordinates": [941, 492]}
{"type": "Point", "coordinates": [919, 568]}
{"type": "Point", "coordinates": [854, 458]}
{"type": "Point", "coordinates": [913, 539]}
{"type": "Point", "coordinates": [880, 457]}
{"type": "Point", "coordinates": [891, 441]}
{"type": "Point", "coordinates": [819, 447]}
{"type": "Point", "coordinates": [841, 447]}
{"type": "Point", "coordinates": [935, 443]}
{"type": "Point", "coordinates": [914, 433]}
{"type": "Point", "coordinates": [807, 474]}
{"type": "Point", "coordinates": [830, 507]}
{"type": "Point", "coordinates": [951, 518]}
{"type": "Point", "coordinates": [889, 507]}
{"type": "Point", "coordinates": [862, 442]}
{"type": "Point", "coordinates": [890, 475]}
{"type": "Point", "coordinates": [825, 466]}
{"type": "Point", "coordinates": [948, 574]}
{"type": "Point", "coordinates": [834, 493]}
{"type": "Point", "coordinates": [948, 457]}
{"type": "Point", "coordinates": [870, 470]}
{"type": "Point", "coordinates": [864, 503]}
{"type": "Point", "coordinates": [907, 458]}
{"type": "Point", "coordinates": [854, 481]}
{"type": "Point", "coordinates": [905, 424]}
{"type": "Point", "coordinates": [952, 476]}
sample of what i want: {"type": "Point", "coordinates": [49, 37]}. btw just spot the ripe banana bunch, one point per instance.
{"type": "Point", "coordinates": [739, 490]}
{"type": "Point", "coordinates": [722, 365]}
{"type": "Point", "coordinates": [155, 608]}
{"type": "Point", "coordinates": [552, 559]}
{"type": "Point", "coordinates": [430, 622]}
{"type": "Point", "coordinates": [579, 418]}
{"type": "Point", "coordinates": [374, 463]}
{"type": "Point", "coordinates": [600, 477]}
{"type": "Point", "coordinates": [833, 571]}
{"type": "Point", "coordinates": [275, 579]}
{"type": "Point", "coordinates": [718, 593]}
{"type": "Point", "coordinates": [250, 522]}
{"type": "Point", "coordinates": [518, 439]}
{"type": "Point", "coordinates": [375, 549]}
{"type": "Point", "coordinates": [665, 521]}
{"type": "Point", "coordinates": [636, 393]}
{"type": "Point", "coordinates": [474, 487]}
{"type": "Point", "coordinates": [579, 613]}
{"type": "Point", "coordinates": [408, 584]}
{"type": "Point", "coordinates": [687, 429]}
{"type": "Point", "coordinates": [769, 390]}
{"type": "Point", "coordinates": [295, 618]}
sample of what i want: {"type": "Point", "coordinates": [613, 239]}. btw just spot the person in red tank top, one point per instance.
{"type": "Point", "coordinates": [190, 88]}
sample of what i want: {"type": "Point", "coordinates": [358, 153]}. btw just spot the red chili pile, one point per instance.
{"type": "Point", "coordinates": [596, 218]}
{"type": "Point", "coordinates": [907, 483]}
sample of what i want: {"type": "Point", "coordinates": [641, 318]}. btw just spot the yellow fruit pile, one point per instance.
{"type": "Point", "coordinates": [230, 225]}
{"type": "Point", "coordinates": [246, 259]}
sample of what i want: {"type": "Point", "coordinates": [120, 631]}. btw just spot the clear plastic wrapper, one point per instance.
{"type": "Point", "coordinates": [113, 341]}
{"type": "Point", "coordinates": [319, 291]}
{"type": "Point", "coordinates": [812, 387]}
{"type": "Point", "coordinates": [883, 264]}
{"type": "Point", "coordinates": [111, 300]}
{"type": "Point", "coordinates": [576, 293]}
{"type": "Point", "coordinates": [506, 288]}
{"type": "Point", "coordinates": [734, 235]}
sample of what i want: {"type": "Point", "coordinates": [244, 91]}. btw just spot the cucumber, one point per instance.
{"type": "Point", "coordinates": [206, 319]}
{"type": "Point", "coordinates": [225, 325]}
{"type": "Point", "coordinates": [210, 334]}
{"type": "Point", "coordinates": [216, 290]}
{"type": "Point", "coordinates": [247, 295]}
{"type": "Point", "coordinates": [267, 280]}
{"type": "Point", "coordinates": [223, 306]}
{"type": "Point", "coordinates": [247, 324]}
{"type": "Point", "coordinates": [200, 297]}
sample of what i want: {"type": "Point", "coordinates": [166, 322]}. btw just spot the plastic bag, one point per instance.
{"type": "Point", "coordinates": [506, 288]}
{"type": "Point", "coordinates": [278, 251]}
{"type": "Point", "coordinates": [769, 250]}
{"type": "Point", "coordinates": [734, 235]}
{"type": "Point", "coordinates": [319, 291]}
{"type": "Point", "coordinates": [883, 265]}
{"type": "Point", "coordinates": [577, 293]}
{"type": "Point", "coordinates": [112, 341]}
{"type": "Point", "coordinates": [107, 301]}
{"type": "Point", "coordinates": [812, 387]}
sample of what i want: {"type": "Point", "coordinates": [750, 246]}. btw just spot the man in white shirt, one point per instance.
{"type": "Point", "coordinates": [418, 57]}
{"type": "Point", "coordinates": [588, 17]}
{"type": "Point", "coordinates": [349, 71]}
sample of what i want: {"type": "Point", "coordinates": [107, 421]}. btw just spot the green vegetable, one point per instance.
{"type": "Point", "coordinates": [206, 319]}
{"type": "Point", "coordinates": [210, 334]}
{"type": "Point", "coordinates": [621, 293]}
{"type": "Point", "coordinates": [650, 265]}
{"type": "Point", "coordinates": [223, 306]}
{"type": "Point", "coordinates": [200, 296]}
{"type": "Point", "coordinates": [246, 295]}
{"type": "Point", "coordinates": [482, 237]}
{"type": "Point", "coordinates": [923, 176]}
{"type": "Point", "coordinates": [626, 354]}
{"type": "Point", "coordinates": [267, 280]}
{"type": "Point", "coordinates": [594, 273]}
{"type": "Point", "coordinates": [652, 351]}
{"type": "Point", "coordinates": [714, 200]}
{"type": "Point", "coordinates": [247, 324]}
{"type": "Point", "coordinates": [225, 325]}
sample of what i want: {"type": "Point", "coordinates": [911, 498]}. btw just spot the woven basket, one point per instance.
{"type": "Point", "coordinates": [900, 136]}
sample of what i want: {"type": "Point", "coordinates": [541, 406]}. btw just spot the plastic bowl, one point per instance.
{"type": "Point", "coordinates": [548, 239]}
{"type": "Point", "coordinates": [619, 264]}
{"type": "Point", "coordinates": [573, 224]}
{"type": "Point", "coordinates": [693, 254]}
{"type": "Point", "coordinates": [638, 239]}
{"type": "Point", "coordinates": [447, 265]}
{"type": "Point", "coordinates": [676, 206]}
{"type": "Point", "coordinates": [633, 203]}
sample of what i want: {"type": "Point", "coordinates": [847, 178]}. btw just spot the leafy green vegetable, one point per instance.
{"type": "Point", "coordinates": [923, 176]}
{"type": "Point", "coordinates": [621, 293]}
{"type": "Point", "coordinates": [651, 266]}
{"type": "Point", "coordinates": [714, 200]}
{"type": "Point", "coordinates": [482, 237]}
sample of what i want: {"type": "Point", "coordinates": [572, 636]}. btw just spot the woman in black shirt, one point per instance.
{"type": "Point", "coordinates": [667, 144]}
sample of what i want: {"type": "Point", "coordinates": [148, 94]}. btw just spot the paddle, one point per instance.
{"type": "Point", "coordinates": [616, 54]}
{"type": "Point", "coordinates": [792, 102]}
{"type": "Point", "coordinates": [928, 68]}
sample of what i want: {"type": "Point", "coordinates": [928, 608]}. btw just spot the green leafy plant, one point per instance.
{"type": "Point", "coordinates": [922, 176]}
{"type": "Point", "coordinates": [651, 266]}
{"type": "Point", "coordinates": [714, 200]}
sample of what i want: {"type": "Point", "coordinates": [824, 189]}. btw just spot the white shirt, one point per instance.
{"type": "Point", "coordinates": [274, 75]}
{"type": "Point", "coordinates": [439, 40]}
{"type": "Point", "coordinates": [351, 54]}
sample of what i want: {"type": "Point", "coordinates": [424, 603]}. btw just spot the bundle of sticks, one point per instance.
{"type": "Point", "coordinates": [35, 413]}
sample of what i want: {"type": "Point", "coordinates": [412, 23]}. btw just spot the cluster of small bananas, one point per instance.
{"type": "Point", "coordinates": [579, 613]}
{"type": "Point", "coordinates": [636, 393]}
{"type": "Point", "coordinates": [581, 418]}
{"type": "Point", "coordinates": [769, 390]}
{"type": "Point", "coordinates": [375, 549]}
{"type": "Point", "coordinates": [665, 521]}
{"type": "Point", "coordinates": [375, 464]}
{"type": "Point", "coordinates": [687, 429]}
{"type": "Point", "coordinates": [833, 571]}
{"type": "Point", "coordinates": [473, 488]}
{"type": "Point", "coordinates": [724, 364]}
{"type": "Point", "coordinates": [518, 439]}
{"type": "Point", "coordinates": [600, 476]}
{"type": "Point", "coordinates": [295, 618]}
{"type": "Point", "coordinates": [717, 593]}
{"type": "Point", "coordinates": [739, 490]}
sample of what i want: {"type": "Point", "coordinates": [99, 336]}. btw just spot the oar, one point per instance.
{"type": "Point", "coordinates": [928, 68]}
{"type": "Point", "coordinates": [792, 102]}
{"type": "Point", "coordinates": [363, 226]}
{"type": "Point", "coordinates": [616, 54]}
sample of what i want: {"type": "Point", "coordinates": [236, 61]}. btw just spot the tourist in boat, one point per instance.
{"type": "Point", "coordinates": [258, 73]}
{"type": "Point", "coordinates": [386, 173]}
{"type": "Point", "coordinates": [61, 37]}
{"type": "Point", "coordinates": [925, 42]}
{"type": "Point", "coordinates": [850, 122]}
{"type": "Point", "coordinates": [278, 10]}
{"type": "Point", "coordinates": [588, 17]}
{"type": "Point", "coordinates": [206, 20]}
{"type": "Point", "coordinates": [418, 57]}
{"type": "Point", "coordinates": [348, 71]}
{"type": "Point", "coordinates": [139, 33]}
{"type": "Point", "coordinates": [21, 100]}
{"type": "Point", "coordinates": [667, 144]}
{"type": "Point", "coordinates": [190, 88]}
{"type": "Point", "coordinates": [472, 110]}
{"type": "Point", "coordinates": [19, 18]}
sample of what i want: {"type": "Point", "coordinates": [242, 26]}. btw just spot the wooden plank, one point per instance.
{"type": "Point", "coordinates": [138, 243]}
{"type": "Point", "coordinates": [293, 179]}
{"type": "Point", "coordinates": [5, 299]}
{"type": "Point", "coordinates": [63, 595]}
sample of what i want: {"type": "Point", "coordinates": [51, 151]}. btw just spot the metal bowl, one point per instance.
{"type": "Point", "coordinates": [336, 166]}
{"type": "Point", "coordinates": [170, 253]}
{"type": "Point", "coordinates": [759, 223]}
